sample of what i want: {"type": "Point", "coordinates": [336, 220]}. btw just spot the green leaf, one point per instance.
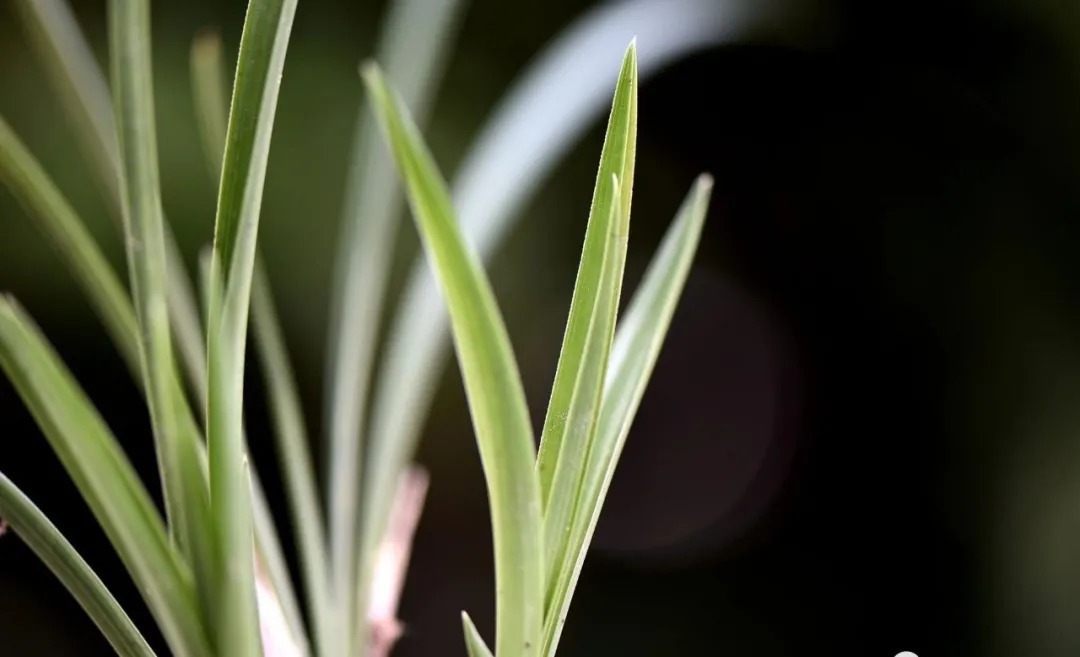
{"type": "Point", "coordinates": [633, 355]}
{"type": "Point", "coordinates": [211, 89]}
{"type": "Point", "coordinates": [182, 475]}
{"type": "Point", "coordinates": [251, 119]}
{"type": "Point", "coordinates": [73, 70]}
{"type": "Point", "coordinates": [211, 93]}
{"type": "Point", "coordinates": [496, 398]}
{"type": "Point", "coordinates": [29, 183]}
{"type": "Point", "coordinates": [579, 415]}
{"type": "Point", "coordinates": [579, 376]}
{"type": "Point", "coordinates": [413, 44]}
{"type": "Point", "coordinates": [474, 643]}
{"type": "Point", "coordinates": [32, 525]}
{"type": "Point", "coordinates": [105, 479]}
{"type": "Point", "coordinates": [293, 455]}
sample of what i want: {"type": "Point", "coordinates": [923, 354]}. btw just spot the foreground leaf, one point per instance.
{"type": "Point", "coordinates": [637, 345]}
{"type": "Point", "coordinates": [74, 573]}
{"type": "Point", "coordinates": [105, 479]}
{"type": "Point", "coordinates": [496, 398]}
{"type": "Point", "coordinates": [251, 120]}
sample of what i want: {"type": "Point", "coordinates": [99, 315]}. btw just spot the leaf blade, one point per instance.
{"type": "Point", "coordinates": [54, 550]}
{"type": "Point", "coordinates": [105, 479]}
{"type": "Point", "coordinates": [616, 171]}
{"type": "Point", "coordinates": [496, 398]}
{"type": "Point", "coordinates": [474, 643]}
{"type": "Point", "coordinates": [637, 345]}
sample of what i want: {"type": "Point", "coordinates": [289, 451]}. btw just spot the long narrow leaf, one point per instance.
{"type": "Point", "coordinates": [563, 92]}
{"type": "Point", "coordinates": [616, 163]}
{"type": "Point", "coordinates": [474, 643]}
{"type": "Point", "coordinates": [413, 44]}
{"type": "Point", "coordinates": [580, 413]}
{"type": "Point", "coordinates": [496, 398]}
{"type": "Point", "coordinates": [637, 345]}
{"type": "Point", "coordinates": [105, 479]}
{"type": "Point", "coordinates": [183, 482]}
{"type": "Point", "coordinates": [211, 92]}
{"type": "Point", "coordinates": [80, 83]}
{"type": "Point", "coordinates": [71, 67]}
{"type": "Point", "coordinates": [29, 182]}
{"type": "Point", "coordinates": [251, 119]}
{"type": "Point", "coordinates": [34, 527]}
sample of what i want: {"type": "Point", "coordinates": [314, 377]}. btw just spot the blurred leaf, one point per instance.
{"type": "Point", "coordinates": [637, 345]}
{"type": "Point", "coordinates": [473, 641]}
{"type": "Point", "coordinates": [586, 310]}
{"type": "Point", "coordinates": [414, 41]}
{"type": "Point", "coordinates": [64, 561]}
{"type": "Point", "coordinates": [251, 119]}
{"type": "Point", "coordinates": [105, 479]}
{"type": "Point", "coordinates": [496, 399]}
{"type": "Point", "coordinates": [211, 91]}
{"type": "Point", "coordinates": [30, 184]}
{"type": "Point", "coordinates": [183, 482]}
{"type": "Point", "coordinates": [84, 93]}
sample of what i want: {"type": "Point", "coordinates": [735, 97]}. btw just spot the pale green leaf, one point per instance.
{"type": "Point", "coordinates": [616, 162]}
{"type": "Point", "coordinates": [29, 183]}
{"type": "Point", "coordinates": [474, 643]}
{"type": "Point", "coordinates": [496, 398]}
{"type": "Point", "coordinates": [105, 479]}
{"type": "Point", "coordinates": [211, 91]}
{"type": "Point", "coordinates": [80, 83]}
{"type": "Point", "coordinates": [637, 345]}
{"type": "Point", "coordinates": [414, 41]}
{"type": "Point", "coordinates": [35, 528]}
{"type": "Point", "coordinates": [183, 481]}
{"type": "Point", "coordinates": [263, 45]}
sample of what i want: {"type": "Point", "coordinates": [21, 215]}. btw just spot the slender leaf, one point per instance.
{"type": "Point", "coordinates": [474, 643]}
{"type": "Point", "coordinates": [294, 455]}
{"type": "Point", "coordinates": [254, 103]}
{"type": "Point", "coordinates": [496, 398]}
{"type": "Point", "coordinates": [616, 162]}
{"type": "Point", "coordinates": [211, 89]}
{"type": "Point", "coordinates": [413, 44]}
{"type": "Point", "coordinates": [105, 479]}
{"type": "Point", "coordinates": [34, 527]}
{"type": "Point", "coordinates": [565, 89]}
{"type": "Point", "coordinates": [29, 182]}
{"type": "Point", "coordinates": [580, 413]}
{"type": "Point", "coordinates": [183, 482]}
{"type": "Point", "coordinates": [80, 83]}
{"type": "Point", "coordinates": [292, 447]}
{"type": "Point", "coordinates": [637, 345]}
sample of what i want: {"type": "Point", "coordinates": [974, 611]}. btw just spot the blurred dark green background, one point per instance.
{"type": "Point", "coordinates": [863, 435]}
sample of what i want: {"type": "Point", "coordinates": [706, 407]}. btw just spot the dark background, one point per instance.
{"type": "Point", "coordinates": [862, 436]}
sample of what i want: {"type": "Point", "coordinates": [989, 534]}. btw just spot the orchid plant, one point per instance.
{"type": "Point", "coordinates": [209, 565]}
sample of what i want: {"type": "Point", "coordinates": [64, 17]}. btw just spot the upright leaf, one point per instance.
{"type": "Point", "coordinates": [34, 527]}
{"type": "Point", "coordinates": [496, 398]}
{"type": "Point", "coordinates": [637, 345]}
{"type": "Point", "coordinates": [616, 162]}
{"type": "Point", "coordinates": [413, 44]}
{"type": "Point", "coordinates": [258, 79]}
{"type": "Point", "coordinates": [105, 479]}
{"type": "Point", "coordinates": [178, 452]}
